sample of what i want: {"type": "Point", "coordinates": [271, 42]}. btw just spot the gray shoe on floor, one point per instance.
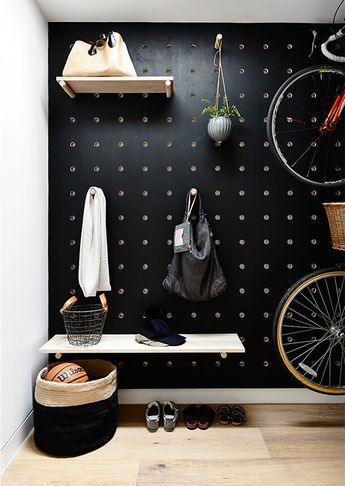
{"type": "Point", "coordinates": [170, 414]}
{"type": "Point", "coordinates": [152, 415]}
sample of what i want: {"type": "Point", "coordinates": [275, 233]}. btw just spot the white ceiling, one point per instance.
{"type": "Point", "coordinates": [310, 11]}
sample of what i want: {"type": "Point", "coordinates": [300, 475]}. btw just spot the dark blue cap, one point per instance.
{"type": "Point", "coordinates": [160, 331]}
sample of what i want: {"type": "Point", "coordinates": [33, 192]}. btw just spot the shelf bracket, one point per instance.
{"type": "Point", "coordinates": [168, 88]}
{"type": "Point", "coordinates": [66, 88]}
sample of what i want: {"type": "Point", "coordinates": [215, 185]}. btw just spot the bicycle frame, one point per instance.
{"type": "Point", "coordinates": [334, 113]}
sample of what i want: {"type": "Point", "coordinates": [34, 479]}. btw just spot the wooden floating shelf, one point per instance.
{"type": "Point", "coordinates": [140, 84]}
{"type": "Point", "coordinates": [125, 343]}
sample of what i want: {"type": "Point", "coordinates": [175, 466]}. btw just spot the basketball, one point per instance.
{"type": "Point", "coordinates": [66, 373]}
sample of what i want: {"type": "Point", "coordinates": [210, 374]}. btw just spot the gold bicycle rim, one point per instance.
{"type": "Point", "coordinates": [281, 352]}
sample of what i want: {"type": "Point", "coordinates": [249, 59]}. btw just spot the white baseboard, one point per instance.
{"type": "Point", "coordinates": [226, 395]}
{"type": "Point", "coordinates": [15, 442]}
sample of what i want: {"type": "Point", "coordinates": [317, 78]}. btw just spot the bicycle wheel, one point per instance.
{"type": "Point", "coordinates": [296, 114]}
{"type": "Point", "coordinates": [309, 331]}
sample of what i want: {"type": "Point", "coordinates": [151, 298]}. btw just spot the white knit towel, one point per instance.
{"type": "Point", "coordinates": [93, 255]}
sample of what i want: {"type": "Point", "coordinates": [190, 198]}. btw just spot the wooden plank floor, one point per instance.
{"type": "Point", "coordinates": [280, 445]}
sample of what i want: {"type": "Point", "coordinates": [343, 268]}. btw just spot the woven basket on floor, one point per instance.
{"type": "Point", "coordinates": [336, 218]}
{"type": "Point", "coordinates": [72, 419]}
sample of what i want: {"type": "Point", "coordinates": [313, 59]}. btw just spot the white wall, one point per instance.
{"type": "Point", "coordinates": [24, 214]}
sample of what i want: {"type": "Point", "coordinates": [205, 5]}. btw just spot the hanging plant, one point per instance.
{"type": "Point", "coordinates": [219, 125]}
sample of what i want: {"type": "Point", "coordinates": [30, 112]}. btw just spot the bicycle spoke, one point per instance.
{"type": "Point", "coordinates": [318, 92]}
{"type": "Point", "coordinates": [296, 130]}
{"type": "Point", "coordinates": [338, 294]}
{"type": "Point", "coordinates": [326, 163]}
{"type": "Point", "coordinates": [323, 301]}
{"type": "Point", "coordinates": [313, 158]}
{"type": "Point", "coordinates": [321, 313]}
{"type": "Point", "coordinates": [307, 150]}
{"type": "Point", "coordinates": [309, 328]}
{"type": "Point", "coordinates": [305, 317]}
{"type": "Point", "coordinates": [312, 348]}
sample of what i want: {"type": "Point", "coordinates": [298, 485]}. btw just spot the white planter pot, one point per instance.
{"type": "Point", "coordinates": [219, 129]}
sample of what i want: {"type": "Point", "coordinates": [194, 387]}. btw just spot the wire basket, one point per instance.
{"type": "Point", "coordinates": [84, 323]}
{"type": "Point", "coordinates": [336, 220]}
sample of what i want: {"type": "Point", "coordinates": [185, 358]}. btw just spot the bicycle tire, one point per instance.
{"type": "Point", "coordinates": [281, 329]}
{"type": "Point", "coordinates": [271, 119]}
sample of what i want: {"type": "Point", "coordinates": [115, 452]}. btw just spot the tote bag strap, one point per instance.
{"type": "Point", "coordinates": [190, 201]}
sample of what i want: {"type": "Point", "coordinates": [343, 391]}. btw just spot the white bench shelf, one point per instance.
{"type": "Point", "coordinates": [125, 343]}
{"type": "Point", "coordinates": [123, 84]}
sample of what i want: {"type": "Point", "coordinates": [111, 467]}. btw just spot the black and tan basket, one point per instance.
{"type": "Point", "coordinates": [84, 323]}
{"type": "Point", "coordinates": [74, 418]}
{"type": "Point", "coordinates": [336, 219]}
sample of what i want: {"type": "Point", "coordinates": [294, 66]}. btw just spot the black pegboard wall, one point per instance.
{"type": "Point", "coordinates": [145, 153]}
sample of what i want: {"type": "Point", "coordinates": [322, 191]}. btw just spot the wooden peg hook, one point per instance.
{"type": "Point", "coordinates": [218, 42]}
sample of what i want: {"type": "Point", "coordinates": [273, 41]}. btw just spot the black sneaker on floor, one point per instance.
{"type": "Point", "coordinates": [205, 417]}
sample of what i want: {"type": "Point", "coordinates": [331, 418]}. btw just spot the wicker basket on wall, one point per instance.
{"type": "Point", "coordinates": [336, 218]}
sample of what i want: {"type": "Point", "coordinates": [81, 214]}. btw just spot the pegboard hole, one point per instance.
{"type": "Point", "coordinates": [145, 266]}
{"type": "Point", "coordinates": [121, 266]}
{"type": "Point", "coordinates": [120, 119]}
{"type": "Point", "coordinates": [72, 168]}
